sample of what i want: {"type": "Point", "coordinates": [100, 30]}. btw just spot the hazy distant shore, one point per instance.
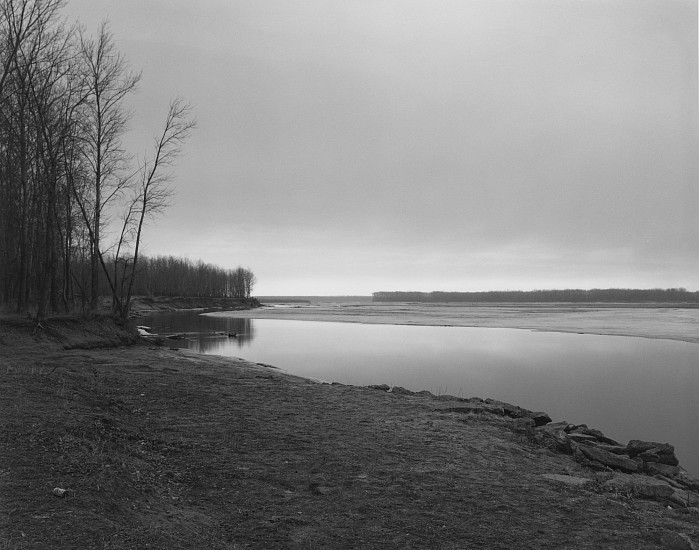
{"type": "Point", "coordinates": [638, 320]}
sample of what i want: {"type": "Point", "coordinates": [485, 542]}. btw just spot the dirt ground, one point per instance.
{"type": "Point", "coordinates": [162, 448]}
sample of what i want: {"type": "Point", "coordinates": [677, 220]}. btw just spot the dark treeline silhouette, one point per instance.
{"type": "Point", "coordinates": [609, 295]}
{"type": "Point", "coordinates": [166, 276]}
{"type": "Point", "coordinates": [170, 276]}
{"type": "Point", "coordinates": [73, 201]}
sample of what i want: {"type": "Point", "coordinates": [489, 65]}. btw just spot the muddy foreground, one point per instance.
{"type": "Point", "coordinates": [161, 448]}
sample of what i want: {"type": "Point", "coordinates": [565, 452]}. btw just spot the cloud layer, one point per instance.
{"type": "Point", "coordinates": [346, 147]}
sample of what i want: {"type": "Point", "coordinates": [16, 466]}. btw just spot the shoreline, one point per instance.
{"type": "Point", "coordinates": [642, 321]}
{"type": "Point", "coordinates": [613, 415]}
{"type": "Point", "coordinates": [176, 450]}
{"type": "Point", "coordinates": [143, 305]}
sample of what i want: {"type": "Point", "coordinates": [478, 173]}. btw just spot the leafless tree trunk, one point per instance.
{"type": "Point", "coordinates": [108, 81]}
{"type": "Point", "coordinates": [154, 190]}
{"type": "Point", "coordinates": [63, 170]}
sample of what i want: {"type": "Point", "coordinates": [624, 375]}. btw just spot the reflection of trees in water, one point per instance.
{"type": "Point", "coordinates": [242, 328]}
{"type": "Point", "coordinates": [203, 333]}
{"type": "Point", "coordinates": [219, 332]}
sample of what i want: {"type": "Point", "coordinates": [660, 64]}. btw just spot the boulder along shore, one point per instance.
{"type": "Point", "coordinates": [107, 445]}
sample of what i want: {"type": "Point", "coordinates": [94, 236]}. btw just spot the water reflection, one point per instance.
{"type": "Point", "coordinates": [630, 388]}
{"type": "Point", "coordinates": [212, 335]}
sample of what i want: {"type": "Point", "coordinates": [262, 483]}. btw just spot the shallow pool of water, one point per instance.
{"type": "Point", "coordinates": [630, 388]}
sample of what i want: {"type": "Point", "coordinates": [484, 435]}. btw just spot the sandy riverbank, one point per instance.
{"type": "Point", "coordinates": [673, 323]}
{"type": "Point", "coordinates": [168, 449]}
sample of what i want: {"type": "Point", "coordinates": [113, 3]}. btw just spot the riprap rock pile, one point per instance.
{"type": "Point", "coordinates": [650, 468]}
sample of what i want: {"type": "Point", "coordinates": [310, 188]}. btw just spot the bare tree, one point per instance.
{"type": "Point", "coordinates": [250, 280]}
{"type": "Point", "coordinates": [19, 21]}
{"type": "Point", "coordinates": [64, 170]}
{"type": "Point", "coordinates": [33, 44]}
{"type": "Point", "coordinates": [154, 190]}
{"type": "Point", "coordinates": [54, 97]}
{"type": "Point", "coordinates": [108, 80]}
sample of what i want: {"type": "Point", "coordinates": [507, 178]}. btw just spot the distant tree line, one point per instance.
{"type": "Point", "coordinates": [170, 276]}
{"type": "Point", "coordinates": [619, 295]}
{"type": "Point", "coordinates": [73, 201]}
{"type": "Point", "coordinates": [167, 276]}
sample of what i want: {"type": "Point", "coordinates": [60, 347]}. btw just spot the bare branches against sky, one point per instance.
{"type": "Point", "coordinates": [346, 147]}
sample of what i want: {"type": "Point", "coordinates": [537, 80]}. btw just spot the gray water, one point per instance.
{"type": "Point", "coordinates": [630, 388]}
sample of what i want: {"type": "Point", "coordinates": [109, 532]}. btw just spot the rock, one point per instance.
{"type": "Point", "coordinates": [382, 387]}
{"type": "Point", "coordinates": [562, 425]}
{"type": "Point", "coordinates": [494, 409]}
{"type": "Point", "coordinates": [608, 459]}
{"type": "Point", "coordinates": [650, 487]}
{"type": "Point", "coordinates": [582, 438]}
{"type": "Point", "coordinates": [425, 393]}
{"type": "Point", "coordinates": [608, 441]}
{"type": "Point", "coordinates": [554, 437]}
{"type": "Point", "coordinates": [540, 418]}
{"type": "Point", "coordinates": [687, 481]}
{"type": "Point", "coordinates": [598, 435]}
{"type": "Point", "coordinates": [402, 391]}
{"type": "Point", "coordinates": [510, 410]}
{"type": "Point", "coordinates": [636, 447]}
{"type": "Point", "coordinates": [685, 498]}
{"type": "Point", "coordinates": [670, 460]}
{"type": "Point", "coordinates": [670, 481]}
{"type": "Point", "coordinates": [647, 487]}
{"type": "Point", "coordinates": [568, 480]}
{"type": "Point", "coordinates": [653, 453]}
{"type": "Point", "coordinates": [676, 541]}
{"type": "Point", "coordinates": [553, 428]}
{"type": "Point", "coordinates": [662, 469]}
{"type": "Point", "coordinates": [614, 449]}
{"type": "Point", "coordinates": [649, 456]}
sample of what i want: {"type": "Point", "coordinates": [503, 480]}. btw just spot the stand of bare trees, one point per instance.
{"type": "Point", "coordinates": [170, 276]}
{"type": "Point", "coordinates": [64, 170]}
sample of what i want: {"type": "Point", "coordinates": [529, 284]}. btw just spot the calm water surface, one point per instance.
{"type": "Point", "coordinates": [630, 388]}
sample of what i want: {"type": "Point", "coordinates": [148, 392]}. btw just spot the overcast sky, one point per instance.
{"type": "Point", "coordinates": [351, 146]}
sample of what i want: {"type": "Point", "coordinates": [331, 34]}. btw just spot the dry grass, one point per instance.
{"type": "Point", "coordinates": [165, 449]}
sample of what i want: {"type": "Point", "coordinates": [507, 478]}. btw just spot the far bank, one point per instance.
{"type": "Point", "coordinates": [662, 321]}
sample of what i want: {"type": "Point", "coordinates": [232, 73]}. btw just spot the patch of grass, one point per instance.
{"type": "Point", "coordinates": [230, 455]}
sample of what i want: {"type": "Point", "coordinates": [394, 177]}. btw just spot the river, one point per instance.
{"type": "Point", "coordinates": [628, 387]}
